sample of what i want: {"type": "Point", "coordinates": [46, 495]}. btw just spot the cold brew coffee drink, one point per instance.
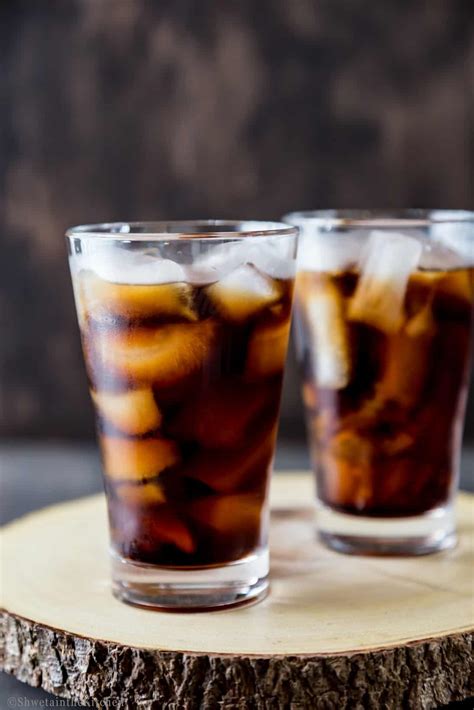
{"type": "Point", "coordinates": [185, 329]}
{"type": "Point", "coordinates": [383, 311]}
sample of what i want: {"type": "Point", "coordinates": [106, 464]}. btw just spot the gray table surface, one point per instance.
{"type": "Point", "coordinates": [34, 475]}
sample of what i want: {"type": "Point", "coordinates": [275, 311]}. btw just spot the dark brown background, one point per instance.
{"type": "Point", "coordinates": [114, 109]}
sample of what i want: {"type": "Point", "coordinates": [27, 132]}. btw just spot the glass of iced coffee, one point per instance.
{"type": "Point", "coordinates": [383, 326]}
{"type": "Point", "coordinates": [184, 328]}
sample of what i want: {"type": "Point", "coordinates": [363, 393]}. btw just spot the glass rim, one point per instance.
{"type": "Point", "coordinates": [379, 218]}
{"type": "Point", "coordinates": [183, 230]}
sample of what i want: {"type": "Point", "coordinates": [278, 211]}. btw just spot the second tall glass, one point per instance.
{"type": "Point", "coordinates": [185, 329]}
{"type": "Point", "coordinates": [383, 316]}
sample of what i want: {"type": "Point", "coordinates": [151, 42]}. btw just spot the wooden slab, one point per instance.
{"type": "Point", "coordinates": [334, 632]}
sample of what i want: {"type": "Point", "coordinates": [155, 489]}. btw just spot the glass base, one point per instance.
{"type": "Point", "coordinates": [359, 535]}
{"type": "Point", "coordinates": [195, 589]}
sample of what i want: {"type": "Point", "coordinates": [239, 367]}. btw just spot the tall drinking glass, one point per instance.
{"type": "Point", "coordinates": [383, 315]}
{"type": "Point", "coordinates": [184, 328]}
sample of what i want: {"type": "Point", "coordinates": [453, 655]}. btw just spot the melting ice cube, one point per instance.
{"type": "Point", "coordinates": [139, 460]}
{"type": "Point", "coordinates": [330, 253]}
{"type": "Point", "coordinates": [123, 266]}
{"type": "Point", "coordinates": [243, 292]}
{"type": "Point", "coordinates": [390, 260]}
{"type": "Point", "coordinates": [275, 258]}
{"type": "Point", "coordinates": [218, 262]}
{"type": "Point", "coordinates": [163, 356]}
{"type": "Point", "coordinates": [439, 257]}
{"type": "Point", "coordinates": [458, 236]}
{"type": "Point", "coordinates": [100, 298]}
{"type": "Point", "coordinates": [330, 346]}
{"type": "Point", "coordinates": [133, 412]}
{"type": "Point", "coordinates": [140, 269]}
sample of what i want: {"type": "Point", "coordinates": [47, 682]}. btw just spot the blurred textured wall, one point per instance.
{"type": "Point", "coordinates": [115, 109]}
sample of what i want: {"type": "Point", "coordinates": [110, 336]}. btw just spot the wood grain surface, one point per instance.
{"type": "Point", "coordinates": [334, 632]}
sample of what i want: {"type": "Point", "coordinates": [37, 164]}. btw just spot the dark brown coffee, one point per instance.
{"type": "Point", "coordinates": [186, 381]}
{"type": "Point", "coordinates": [385, 384]}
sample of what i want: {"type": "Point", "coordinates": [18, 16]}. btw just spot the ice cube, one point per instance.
{"type": "Point", "coordinates": [266, 352]}
{"type": "Point", "coordinates": [134, 412]}
{"type": "Point", "coordinates": [229, 514]}
{"type": "Point", "coordinates": [397, 444]}
{"type": "Point", "coordinates": [274, 258]}
{"type": "Point", "coordinates": [218, 261]}
{"type": "Point", "coordinates": [330, 252]}
{"type": "Point", "coordinates": [408, 358]}
{"type": "Point", "coordinates": [366, 416]}
{"type": "Point", "coordinates": [162, 356]}
{"type": "Point", "coordinates": [459, 284]}
{"type": "Point", "coordinates": [139, 459]}
{"type": "Point", "coordinates": [348, 470]}
{"type": "Point", "coordinates": [103, 298]}
{"type": "Point", "coordinates": [457, 235]}
{"type": "Point", "coordinates": [422, 324]}
{"type": "Point", "coordinates": [243, 293]}
{"type": "Point", "coordinates": [330, 350]}
{"type": "Point", "coordinates": [157, 524]}
{"type": "Point", "coordinates": [437, 257]}
{"type": "Point", "coordinates": [123, 266]}
{"type": "Point", "coordinates": [246, 466]}
{"type": "Point", "coordinates": [422, 286]}
{"type": "Point", "coordinates": [167, 528]}
{"type": "Point", "coordinates": [380, 292]}
{"type": "Point", "coordinates": [142, 494]}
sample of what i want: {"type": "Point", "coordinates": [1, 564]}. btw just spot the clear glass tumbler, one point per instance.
{"type": "Point", "coordinates": [383, 321]}
{"type": "Point", "coordinates": [184, 328]}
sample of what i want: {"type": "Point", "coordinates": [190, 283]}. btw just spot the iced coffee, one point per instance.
{"type": "Point", "coordinates": [384, 324]}
{"type": "Point", "coordinates": [185, 345]}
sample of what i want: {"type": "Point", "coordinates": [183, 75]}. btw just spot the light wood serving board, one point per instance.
{"type": "Point", "coordinates": [335, 632]}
